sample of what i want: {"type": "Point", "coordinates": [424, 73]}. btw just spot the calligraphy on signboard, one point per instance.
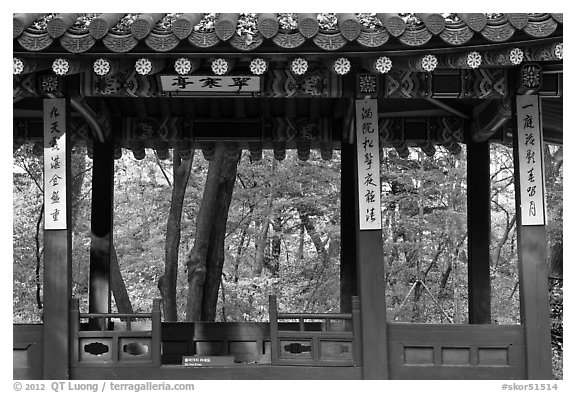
{"type": "Point", "coordinates": [532, 192]}
{"type": "Point", "coordinates": [55, 164]}
{"type": "Point", "coordinates": [210, 84]}
{"type": "Point", "coordinates": [368, 156]}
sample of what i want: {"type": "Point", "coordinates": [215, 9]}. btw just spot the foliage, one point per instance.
{"type": "Point", "coordinates": [283, 234]}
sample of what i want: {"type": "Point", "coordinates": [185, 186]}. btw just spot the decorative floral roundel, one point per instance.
{"type": "Point", "coordinates": [60, 66]}
{"type": "Point", "coordinates": [516, 56]}
{"type": "Point", "coordinates": [429, 63]}
{"type": "Point", "coordinates": [559, 51]}
{"type": "Point", "coordinates": [383, 64]}
{"type": "Point", "coordinates": [474, 59]}
{"type": "Point", "coordinates": [219, 66]}
{"type": "Point", "coordinates": [18, 66]}
{"type": "Point", "coordinates": [342, 66]}
{"type": "Point", "coordinates": [258, 66]}
{"type": "Point", "coordinates": [101, 67]}
{"type": "Point", "coordinates": [183, 66]}
{"type": "Point", "coordinates": [299, 66]}
{"type": "Point", "coordinates": [143, 66]}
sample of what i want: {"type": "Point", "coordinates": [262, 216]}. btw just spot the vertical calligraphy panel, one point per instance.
{"type": "Point", "coordinates": [532, 192]}
{"type": "Point", "coordinates": [368, 155]}
{"type": "Point", "coordinates": [55, 214]}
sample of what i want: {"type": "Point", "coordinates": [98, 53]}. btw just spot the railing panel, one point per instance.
{"type": "Point", "coordinates": [424, 351]}
{"type": "Point", "coordinates": [124, 340]}
{"type": "Point", "coordinates": [314, 339]}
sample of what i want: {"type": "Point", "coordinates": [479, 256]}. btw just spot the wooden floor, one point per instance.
{"type": "Point", "coordinates": [239, 372]}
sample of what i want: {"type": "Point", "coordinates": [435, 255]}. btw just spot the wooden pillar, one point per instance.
{"type": "Point", "coordinates": [57, 241]}
{"type": "Point", "coordinates": [101, 227]}
{"type": "Point", "coordinates": [348, 220]}
{"type": "Point", "coordinates": [531, 234]}
{"type": "Point", "coordinates": [369, 248]}
{"type": "Point", "coordinates": [479, 228]}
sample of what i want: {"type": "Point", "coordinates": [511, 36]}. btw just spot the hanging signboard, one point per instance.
{"type": "Point", "coordinates": [532, 191]}
{"type": "Point", "coordinates": [211, 84]}
{"type": "Point", "coordinates": [55, 164]}
{"type": "Point", "coordinates": [368, 156]}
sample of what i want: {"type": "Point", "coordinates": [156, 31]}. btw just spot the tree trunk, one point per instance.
{"type": "Point", "coordinates": [205, 260]}
{"type": "Point", "coordinates": [274, 261]}
{"type": "Point", "coordinates": [167, 282]}
{"type": "Point", "coordinates": [314, 235]}
{"type": "Point", "coordinates": [263, 238]}
{"type": "Point", "coordinates": [118, 287]}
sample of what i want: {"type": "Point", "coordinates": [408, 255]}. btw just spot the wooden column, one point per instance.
{"type": "Point", "coordinates": [370, 261]}
{"type": "Point", "coordinates": [348, 220]}
{"type": "Point", "coordinates": [57, 247]}
{"type": "Point", "coordinates": [479, 228]}
{"type": "Point", "coordinates": [531, 234]}
{"type": "Point", "coordinates": [101, 227]}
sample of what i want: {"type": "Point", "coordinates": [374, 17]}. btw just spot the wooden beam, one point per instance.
{"type": "Point", "coordinates": [101, 227]}
{"type": "Point", "coordinates": [370, 262]}
{"type": "Point", "coordinates": [58, 286]}
{"type": "Point", "coordinates": [348, 266]}
{"type": "Point", "coordinates": [533, 281]}
{"type": "Point", "coordinates": [479, 228]}
{"type": "Point", "coordinates": [489, 118]}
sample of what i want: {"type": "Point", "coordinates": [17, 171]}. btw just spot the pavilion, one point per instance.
{"type": "Point", "coordinates": [349, 82]}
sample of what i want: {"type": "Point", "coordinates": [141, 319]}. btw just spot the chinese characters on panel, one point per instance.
{"type": "Point", "coordinates": [55, 164]}
{"type": "Point", "coordinates": [530, 159]}
{"type": "Point", "coordinates": [210, 84]}
{"type": "Point", "coordinates": [368, 156]}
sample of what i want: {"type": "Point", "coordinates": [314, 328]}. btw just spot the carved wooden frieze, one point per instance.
{"type": "Point", "coordinates": [255, 151]}
{"type": "Point", "coordinates": [483, 83]}
{"type": "Point", "coordinates": [329, 41]}
{"type": "Point", "coordinates": [203, 40]}
{"type": "Point", "coordinates": [366, 85]}
{"type": "Point", "coordinates": [120, 43]}
{"type": "Point", "coordinates": [162, 42]}
{"type": "Point", "coordinates": [77, 43]}
{"type": "Point", "coordinates": [51, 84]}
{"type": "Point", "coordinates": [530, 78]}
{"type": "Point", "coordinates": [373, 38]}
{"type": "Point", "coordinates": [121, 84]}
{"type": "Point", "coordinates": [35, 42]}
{"type": "Point", "coordinates": [24, 85]}
{"type": "Point", "coordinates": [289, 40]}
{"type": "Point", "coordinates": [407, 84]}
{"type": "Point", "coordinates": [543, 52]}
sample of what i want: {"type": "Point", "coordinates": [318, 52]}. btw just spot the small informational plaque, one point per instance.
{"type": "Point", "coordinates": [207, 361]}
{"type": "Point", "coordinates": [55, 164]}
{"type": "Point", "coordinates": [211, 84]}
{"type": "Point", "coordinates": [368, 155]}
{"type": "Point", "coordinates": [531, 169]}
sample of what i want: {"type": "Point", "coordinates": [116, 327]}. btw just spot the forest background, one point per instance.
{"type": "Point", "coordinates": [281, 235]}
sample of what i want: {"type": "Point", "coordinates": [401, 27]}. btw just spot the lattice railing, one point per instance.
{"type": "Point", "coordinates": [316, 339]}
{"type": "Point", "coordinates": [114, 339]}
